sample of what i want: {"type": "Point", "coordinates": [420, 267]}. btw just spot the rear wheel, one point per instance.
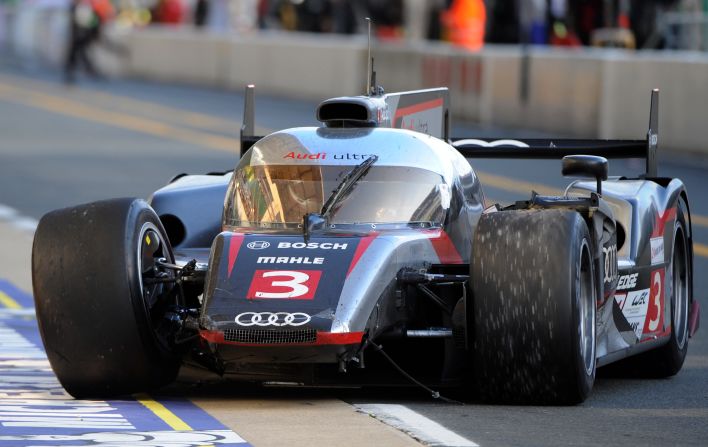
{"type": "Point", "coordinates": [100, 297]}
{"type": "Point", "coordinates": [534, 310]}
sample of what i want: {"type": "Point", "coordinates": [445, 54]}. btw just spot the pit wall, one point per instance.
{"type": "Point", "coordinates": [591, 93]}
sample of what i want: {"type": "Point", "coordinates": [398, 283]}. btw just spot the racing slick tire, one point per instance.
{"type": "Point", "coordinates": [96, 308]}
{"type": "Point", "coordinates": [533, 294]}
{"type": "Point", "coordinates": [668, 359]}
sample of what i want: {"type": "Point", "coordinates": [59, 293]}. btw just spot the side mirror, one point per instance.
{"type": "Point", "coordinates": [586, 166]}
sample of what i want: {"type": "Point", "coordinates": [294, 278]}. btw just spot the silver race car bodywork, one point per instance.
{"type": "Point", "coordinates": [325, 242]}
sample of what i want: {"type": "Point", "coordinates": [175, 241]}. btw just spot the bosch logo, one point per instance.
{"type": "Point", "coordinates": [277, 319]}
{"type": "Point", "coordinates": [258, 245]}
{"type": "Point", "coordinates": [314, 245]}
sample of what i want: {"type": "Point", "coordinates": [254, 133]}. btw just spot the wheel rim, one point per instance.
{"type": "Point", "coordinates": [679, 284]}
{"type": "Point", "coordinates": [586, 290]}
{"type": "Point", "coordinates": [151, 247]}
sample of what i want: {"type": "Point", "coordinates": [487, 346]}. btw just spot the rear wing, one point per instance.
{"type": "Point", "coordinates": [559, 148]}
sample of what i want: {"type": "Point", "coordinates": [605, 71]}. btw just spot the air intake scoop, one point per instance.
{"type": "Point", "coordinates": [354, 111]}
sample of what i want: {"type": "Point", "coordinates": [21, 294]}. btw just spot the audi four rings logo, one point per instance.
{"type": "Point", "coordinates": [258, 245]}
{"type": "Point", "coordinates": [272, 319]}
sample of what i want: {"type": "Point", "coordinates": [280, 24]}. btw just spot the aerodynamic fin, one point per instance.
{"type": "Point", "coordinates": [248, 137]}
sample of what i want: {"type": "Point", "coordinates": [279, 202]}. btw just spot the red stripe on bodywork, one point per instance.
{"type": "Point", "coordinates": [235, 242]}
{"type": "Point", "coordinates": [661, 220]}
{"type": "Point", "coordinates": [339, 338]}
{"type": "Point", "coordinates": [360, 249]}
{"type": "Point", "coordinates": [323, 338]}
{"type": "Point", "coordinates": [444, 248]}
{"type": "Point", "coordinates": [416, 108]}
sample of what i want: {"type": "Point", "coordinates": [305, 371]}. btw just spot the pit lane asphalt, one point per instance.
{"type": "Point", "coordinates": [62, 146]}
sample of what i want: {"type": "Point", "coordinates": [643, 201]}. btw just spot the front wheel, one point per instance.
{"type": "Point", "coordinates": [100, 297]}
{"type": "Point", "coordinates": [534, 307]}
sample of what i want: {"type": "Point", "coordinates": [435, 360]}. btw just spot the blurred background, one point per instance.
{"type": "Point", "coordinates": [571, 67]}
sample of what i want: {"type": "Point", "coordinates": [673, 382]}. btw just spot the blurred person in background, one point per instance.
{"type": "Point", "coordinates": [168, 12]}
{"type": "Point", "coordinates": [243, 15]}
{"type": "Point", "coordinates": [562, 31]}
{"type": "Point", "coordinates": [533, 21]}
{"type": "Point", "coordinates": [87, 18]}
{"type": "Point", "coordinates": [503, 24]}
{"type": "Point", "coordinates": [201, 12]}
{"type": "Point", "coordinates": [464, 23]}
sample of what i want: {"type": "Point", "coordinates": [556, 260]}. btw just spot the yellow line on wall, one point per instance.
{"type": "Point", "coordinates": [8, 302]}
{"type": "Point", "coordinates": [162, 412]}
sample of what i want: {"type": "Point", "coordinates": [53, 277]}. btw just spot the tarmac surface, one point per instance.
{"type": "Point", "coordinates": [62, 146]}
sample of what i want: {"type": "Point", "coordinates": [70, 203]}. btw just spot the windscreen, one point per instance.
{"type": "Point", "coordinates": [278, 196]}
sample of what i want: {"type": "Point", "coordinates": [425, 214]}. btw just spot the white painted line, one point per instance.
{"type": "Point", "coordinates": [6, 313]}
{"type": "Point", "coordinates": [416, 425]}
{"type": "Point", "coordinates": [26, 223]}
{"type": "Point", "coordinates": [14, 218]}
{"type": "Point", "coordinates": [7, 213]}
{"type": "Point", "coordinates": [134, 438]}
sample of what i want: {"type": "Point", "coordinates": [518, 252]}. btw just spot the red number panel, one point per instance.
{"type": "Point", "coordinates": [284, 284]}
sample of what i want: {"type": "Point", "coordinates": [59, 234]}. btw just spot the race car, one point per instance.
{"type": "Point", "coordinates": [362, 253]}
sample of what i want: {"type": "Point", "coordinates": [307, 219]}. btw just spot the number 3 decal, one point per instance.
{"type": "Point", "coordinates": [284, 284]}
{"type": "Point", "coordinates": [655, 313]}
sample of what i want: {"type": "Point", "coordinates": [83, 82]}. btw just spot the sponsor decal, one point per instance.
{"type": "Point", "coordinates": [289, 260]}
{"type": "Point", "coordinates": [657, 250]}
{"type": "Point", "coordinates": [495, 143]}
{"type": "Point", "coordinates": [627, 281]}
{"type": "Point", "coordinates": [634, 308]}
{"type": "Point", "coordinates": [314, 245]}
{"type": "Point", "coordinates": [423, 117]}
{"type": "Point", "coordinates": [610, 254]}
{"type": "Point", "coordinates": [277, 319]}
{"type": "Point", "coordinates": [284, 284]}
{"type": "Point", "coordinates": [301, 156]}
{"type": "Point", "coordinates": [653, 139]}
{"type": "Point", "coordinates": [325, 156]}
{"type": "Point", "coordinates": [655, 314]}
{"type": "Point", "coordinates": [258, 245]}
{"type": "Point", "coordinates": [413, 124]}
